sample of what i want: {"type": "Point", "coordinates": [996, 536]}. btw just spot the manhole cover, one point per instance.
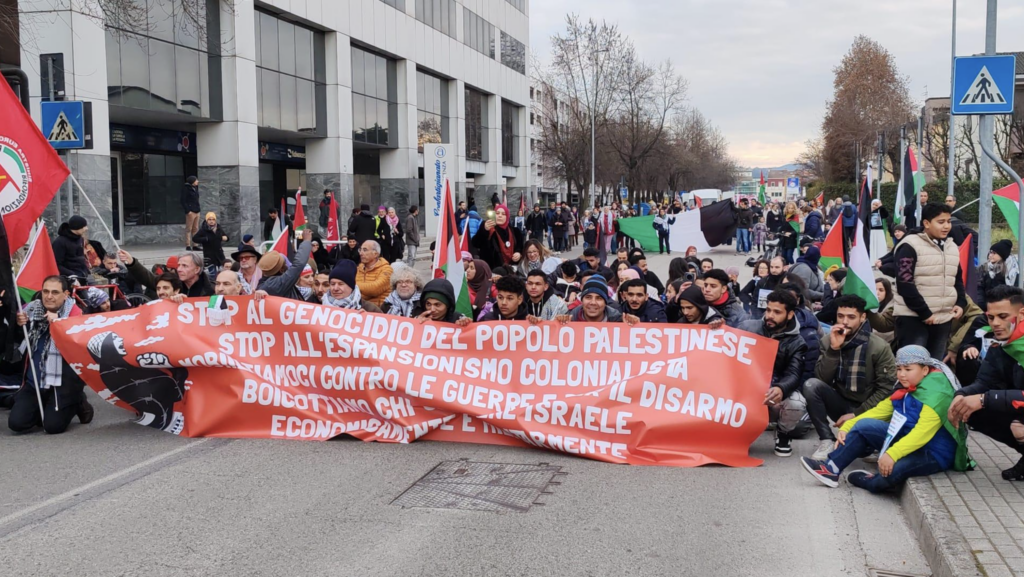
{"type": "Point", "coordinates": [471, 486]}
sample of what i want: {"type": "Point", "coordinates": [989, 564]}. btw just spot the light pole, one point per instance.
{"type": "Point", "coordinates": [593, 138]}
{"type": "Point", "coordinates": [951, 159]}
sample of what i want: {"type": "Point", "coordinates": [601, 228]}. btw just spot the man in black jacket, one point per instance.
{"type": "Point", "coordinates": [536, 224]}
{"type": "Point", "coordinates": [363, 226]}
{"type": "Point", "coordinates": [69, 249]}
{"type": "Point", "coordinates": [786, 404]}
{"type": "Point", "coordinates": [744, 222]}
{"type": "Point", "coordinates": [508, 306]}
{"type": "Point", "coordinates": [1000, 319]}
{"type": "Point", "coordinates": [716, 292]}
{"type": "Point", "coordinates": [636, 302]}
{"type": "Point", "coordinates": [271, 222]}
{"type": "Point", "coordinates": [639, 260]}
{"type": "Point", "coordinates": [195, 282]}
{"type": "Point", "coordinates": [325, 210]}
{"type": "Point", "coordinates": [190, 204]}
{"type": "Point", "coordinates": [993, 404]}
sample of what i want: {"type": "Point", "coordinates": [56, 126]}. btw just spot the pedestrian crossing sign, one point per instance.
{"type": "Point", "coordinates": [64, 123]}
{"type": "Point", "coordinates": [983, 84]}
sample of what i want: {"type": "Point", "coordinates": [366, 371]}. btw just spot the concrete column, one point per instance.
{"type": "Point", "coordinates": [519, 185]}
{"type": "Point", "coordinates": [329, 160]}
{"type": "Point", "coordinates": [490, 182]}
{"type": "Point", "coordinates": [457, 136]}
{"type": "Point", "coordinates": [228, 151]}
{"type": "Point", "coordinates": [399, 181]}
{"type": "Point", "coordinates": [47, 27]}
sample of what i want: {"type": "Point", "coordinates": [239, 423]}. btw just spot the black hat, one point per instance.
{"type": "Point", "coordinates": [345, 271]}
{"type": "Point", "coordinates": [365, 207]}
{"type": "Point", "coordinates": [1003, 248]}
{"type": "Point", "coordinates": [245, 249]}
{"type": "Point", "coordinates": [76, 223]}
{"type": "Point", "coordinates": [805, 241]}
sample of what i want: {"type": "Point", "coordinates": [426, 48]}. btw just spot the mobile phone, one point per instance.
{"type": "Point", "coordinates": [490, 214]}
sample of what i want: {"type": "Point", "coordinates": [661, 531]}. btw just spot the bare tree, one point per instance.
{"type": "Point", "coordinates": [814, 160]}
{"type": "Point", "coordinates": [935, 143]}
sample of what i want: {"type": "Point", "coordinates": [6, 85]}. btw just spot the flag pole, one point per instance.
{"type": "Point", "coordinates": [28, 345]}
{"type": "Point", "coordinates": [96, 212]}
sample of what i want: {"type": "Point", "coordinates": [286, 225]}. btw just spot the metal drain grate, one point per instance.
{"type": "Point", "coordinates": [886, 573]}
{"type": "Point", "coordinates": [494, 487]}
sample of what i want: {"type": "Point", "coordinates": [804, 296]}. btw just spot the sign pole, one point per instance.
{"type": "Point", "coordinates": [951, 158]}
{"type": "Point", "coordinates": [986, 134]}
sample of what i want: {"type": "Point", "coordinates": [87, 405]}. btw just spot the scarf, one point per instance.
{"type": "Point", "coordinates": [392, 221]}
{"type": "Point", "coordinates": [480, 284]}
{"type": "Point", "coordinates": [607, 225]}
{"type": "Point", "coordinates": [506, 241]}
{"type": "Point", "coordinates": [721, 301]}
{"type": "Point", "coordinates": [351, 302]}
{"type": "Point", "coordinates": [1008, 268]}
{"type": "Point", "coordinates": [530, 266]}
{"type": "Point", "coordinates": [44, 351]}
{"type": "Point", "coordinates": [918, 355]}
{"type": "Point", "coordinates": [400, 307]}
{"type": "Point", "coordinates": [853, 368]}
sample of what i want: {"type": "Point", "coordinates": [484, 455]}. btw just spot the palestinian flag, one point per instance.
{"type": "Point", "coordinates": [703, 228]}
{"type": "Point", "coordinates": [832, 248]}
{"type": "Point", "coordinates": [860, 280]}
{"type": "Point", "coordinates": [698, 202]}
{"type": "Point", "coordinates": [1007, 199]}
{"type": "Point", "coordinates": [332, 222]}
{"type": "Point", "coordinates": [794, 223]}
{"type": "Point", "coordinates": [39, 263]}
{"type": "Point", "coordinates": [968, 268]}
{"type": "Point", "coordinates": [299, 222]}
{"type": "Point", "coordinates": [1015, 345]}
{"type": "Point", "coordinates": [762, 198]}
{"type": "Point", "coordinates": [448, 254]}
{"type": "Point", "coordinates": [908, 190]}
{"type": "Point", "coordinates": [281, 243]}
{"type": "Point", "coordinates": [864, 209]}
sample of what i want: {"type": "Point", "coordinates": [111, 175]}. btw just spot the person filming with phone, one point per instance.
{"type": "Point", "coordinates": [500, 244]}
{"type": "Point", "coordinates": [855, 371]}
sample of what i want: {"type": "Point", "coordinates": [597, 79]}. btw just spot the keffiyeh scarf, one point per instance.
{"type": "Point", "coordinates": [918, 355]}
{"type": "Point", "coordinates": [400, 307]}
{"type": "Point", "coordinates": [351, 302]}
{"type": "Point", "coordinates": [44, 351]}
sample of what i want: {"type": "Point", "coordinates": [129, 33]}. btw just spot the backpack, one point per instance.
{"type": "Point", "coordinates": [848, 211]}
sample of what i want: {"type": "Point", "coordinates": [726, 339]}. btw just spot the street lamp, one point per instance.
{"type": "Point", "coordinates": [593, 140]}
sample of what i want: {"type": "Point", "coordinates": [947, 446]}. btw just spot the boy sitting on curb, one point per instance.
{"type": "Point", "coordinates": [910, 430]}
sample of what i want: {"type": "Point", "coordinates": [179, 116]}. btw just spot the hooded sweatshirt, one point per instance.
{"type": "Point", "coordinates": [444, 288]}
{"type": "Point", "coordinates": [806, 268]}
{"type": "Point", "coordinates": [694, 295]}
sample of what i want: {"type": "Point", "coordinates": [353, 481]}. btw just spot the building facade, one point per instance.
{"type": "Point", "coordinates": [260, 99]}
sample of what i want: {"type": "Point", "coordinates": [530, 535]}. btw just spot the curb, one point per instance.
{"type": "Point", "coordinates": [942, 544]}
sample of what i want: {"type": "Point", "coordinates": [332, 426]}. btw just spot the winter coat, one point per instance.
{"type": "Point", "coordinates": [868, 386]}
{"type": "Point", "coordinates": [774, 221]}
{"type": "Point", "coordinates": [412, 230]}
{"type": "Point", "coordinates": [363, 227]}
{"type": "Point", "coordinates": [810, 331]}
{"type": "Point", "coordinates": [536, 224]}
{"type": "Point", "coordinates": [812, 279]}
{"type": "Point", "coordinates": [487, 244]}
{"type": "Point", "coordinates": [787, 372]}
{"type": "Point", "coordinates": [652, 311]}
{"type": "Point", "coordinates": [442, 286]}
{"type": "Point", "coordinates": [202, 287]}
{"type": "Point", "coordinates": [212, 241]}
{"type": "Point", "coordinates": [283, 285]}
{"type": "Point", "coordinates": [812, 225]}
{"type": "Point", "coordinates": [849, 215]}
{"type": "Point", "coordinates": [1001, 380]}
{"type": "Point", "coordinates": [269, 224]}
{"type": "Point", "coordinates": [732, 311]}
{"type": "Point", "coordinates": [928, 280]}
{"type": "Point", "coordinates": [118, 277]}
{"type": "Point", "coordinates": [549, 307]}
{"type": "Point", "coordinates": [744, 218]}
{"type": "Point", "coordinates": [473, 222]}
{"type": "Point", "coordinates": [612, 314]}
{"type": "Point", "coordinates": [325, 213]}
{"type": "Point", "coordinates": [142, 276]}
{"type": "Point", "coordinates": [69, 252]}
{"type": "Point", "coordinates": [190, 198]}
{"type": "Point", "coordinates": [375, 284]}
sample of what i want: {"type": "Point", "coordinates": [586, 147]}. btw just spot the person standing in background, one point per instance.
{"type": "Point", "coordinates": [412, 235]}
{"type": "Point", "coordinates": [190, 204]}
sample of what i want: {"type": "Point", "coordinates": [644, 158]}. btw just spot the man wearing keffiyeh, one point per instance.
{"type": "Point", "coordinates": [910, 430]}
{"type": "Point", "coordinates": [61, 389]}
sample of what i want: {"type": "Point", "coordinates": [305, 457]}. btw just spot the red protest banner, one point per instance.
{"type": "Point", "coordinates": [649, 394]}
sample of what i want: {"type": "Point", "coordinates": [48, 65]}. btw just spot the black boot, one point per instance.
{"type": "Point", "coordinates": [85, 412]}
{"type": "Point", "coordinates": [1016, 472]}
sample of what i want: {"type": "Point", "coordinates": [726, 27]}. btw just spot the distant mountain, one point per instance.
{"type": "Point", "coordinates": [755, 173]}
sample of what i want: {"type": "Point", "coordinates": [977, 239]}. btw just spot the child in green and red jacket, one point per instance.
{"type": "Point", "coordinates": [910, 430]}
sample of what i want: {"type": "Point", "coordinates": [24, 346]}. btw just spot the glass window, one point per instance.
{"type": "Point", "coordinates": [304, 53]}
{"type": "Point", "coordinates": [268, 35]}
{"type": "Point", "coordinates": [438, 14]}
{"type": "Point", "coordinates": [370, 74]}
{"type": "Point", "coordinates": [289, 106]}
{"type": "Point", "coordinates": [161, 78]}
{"type": "Point", "coordinates": [358, 118]}
{"type": "Point", "coordinates": [259, 97]}
{"type": "Point", "coordinates": [358, 85]}
{"type": "Point", "coordinates": [286, 42]}
{"type": "Point", "coordinates": [307, 106]}
{"type": "Point", "coordinates": [271, 98]}
{"type": "Point", "coordinates": [475, 126]}
{"type": "Point", "coordinates": [161, 19]}
{"type": "Point", "coordinates": [370, 121]}
{"type": "Point", "coordinates": [419, 9]}
{"type": "Point", "coordinates": [185, 32]}
{"type": "Point", "coordinates": [259, 42]}
{"type": "Point", "coordinates": [513, 53]}
{"type": "Point", "coordinates": [186, 65]}
{"type": "Point", "coordinates": [382, 77]}
{"type": "Point", "coordinates": [135, 71]}
{"type": "Point", "coordinates": [509, 132]}
{"type": "Point", "coordinates": [113, 68]}
{"type": "Point", "coordinates": [382, 121]}
{"type": "Point", "coordinates": [435, 19]}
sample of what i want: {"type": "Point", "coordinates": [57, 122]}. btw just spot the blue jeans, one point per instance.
{"type": "Point", "coordinates": [868, 436]}
{"type": "Point", "coordinates": [742, 240]}
{"type": "Point", "coordinates": [551, 239]}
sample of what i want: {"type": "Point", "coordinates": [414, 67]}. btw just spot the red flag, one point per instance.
{"type": "Point", "coordinates": [332, 222]}
{"type": "Point", "coordinates": [698, 202]}
{"type": "Point", "coordinates": [299, 222]}
{"type": "Point", "coordinates": [30, 170]}
{"type": "Point", "coordinates": [966, 264]}
{"type": "Point", "coordinates": [820, 199]}
{"type": "Point", "coordinates": [281, 244]}
{"type": "Point", "coordinates": [39, 264]}
{"type": "Point", "coordinates": [522, 203]}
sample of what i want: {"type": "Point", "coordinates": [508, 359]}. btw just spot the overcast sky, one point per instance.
{"type": "Point", "coordinates": [762, 69]}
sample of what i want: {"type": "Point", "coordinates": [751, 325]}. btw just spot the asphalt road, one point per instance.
{"type": "Point", "coordinates": [113, 498]}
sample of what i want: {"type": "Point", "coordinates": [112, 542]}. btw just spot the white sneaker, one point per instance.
{"type": "Point", "coordinates": [824, 448]}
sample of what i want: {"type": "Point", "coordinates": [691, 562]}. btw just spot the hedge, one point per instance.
{"type": "Point", "coordinates": [965, 192]}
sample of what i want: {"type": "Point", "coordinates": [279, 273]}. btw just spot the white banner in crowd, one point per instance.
{"type": "Point", "coordinates": [436, 158]}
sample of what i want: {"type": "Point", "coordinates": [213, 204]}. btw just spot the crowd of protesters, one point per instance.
{"type": "Point", "coordinates": [901, 382]}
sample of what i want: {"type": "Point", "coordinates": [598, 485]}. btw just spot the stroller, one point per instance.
{"type": "Point", "coordinates": [771, 250]}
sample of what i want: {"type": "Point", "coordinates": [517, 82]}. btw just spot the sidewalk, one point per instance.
{"type": "Point", "coordinates": [970, 524]}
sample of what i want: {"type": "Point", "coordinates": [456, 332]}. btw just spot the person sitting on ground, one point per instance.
{"type": "Point", "coordinates": [321, 284]}
{"type": "Point", "coordinates": [61, 389]}
{"type": "Point", "coordinates": [594, 305]}
{"type": "Point", "coordinates": [836, 280]}
{"type": "Point", "coordinates": [508, 305]}
{"type": "Point", "coordinates": [882, 320]}
{"type": "Point", "coordinates": [855, 371]}
{"type": "Point", "coordinates": [786, 405]}
{"type": "Point", "coordinates": [992, 328]}
{"type": "Point", "coordinates": [592, 261]}
{"type": "Point", "coordinates": [542, 304]}
{"type": "Point", "coordinates": [810, 328]}
{"type": "Point", "coordinates": [806, 268]}
{"type": "Point", "coordinates": [437, 303]}
{"type": "Point", "coordinates": [1001, 269]}
{"type": "Point", "coordinates": [278, 279]}
{"type": "Point", "coordinates": [991, 405]}
{"type": "Point", "coordinates": [748, 294]}
{"type": "Point", "coordinates": [406, 287]}
{"type": "Point", "coordinates": [567, 287]}
{"type": "Point", "coordinates": [635, 300]}
{"type": "Point", "coordinates": [374, 273]}
{"type": "Point", "coordinates": [343, 291]}
{"type": "Point", "coordinates": [765, 285]}
{"type": "Point", "coordinates": [927, 442]}
{"type": "Point", "coordinates": [95, 301]}
{"type": "Point", "coordinates": [716, 293]}
{"type": "Point", "coordinates": [639, 260]}
{"type": "Point", "coordinates": [228, 283]}
{"type": "Point", "coordinates": [695, 310]}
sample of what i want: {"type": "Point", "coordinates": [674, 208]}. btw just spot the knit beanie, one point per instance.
{"type": "Point", "coordinates": [595, 285]}
{"type": "Point", "coordinates": [345, 271]}
{"type": "Point", "coordinates": [437, 296]}
{"type": "Point", "coordinates": [1003, 248]}
{"type": "Point", "coordinates": [76, 223]}
{"type": "Point", "coordinates": [210, 215]}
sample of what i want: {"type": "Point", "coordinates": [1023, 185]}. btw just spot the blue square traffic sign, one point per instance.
{"type": "Point", "coordinates": [983, 84]}
{"type": "Point", "coordinates": [64, 123]}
